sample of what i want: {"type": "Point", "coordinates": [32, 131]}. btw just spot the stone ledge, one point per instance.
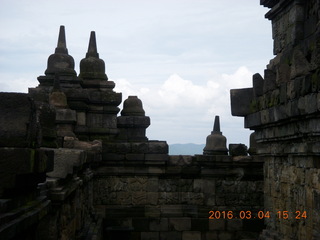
{"type": "Point", "coordinates": [240, 101]}
{"type": "Point", "coordinates": [292, 110]}
{"type": "Point", "coordinates": [59, 193]}
{"type": "Point", "coordinates": [65, 160]}
{"type": "Point", "coordinates": [268, 3]}
{"type": "Point", "coordinates": [13, 223]}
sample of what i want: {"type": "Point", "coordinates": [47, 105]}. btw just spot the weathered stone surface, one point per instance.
{"type": "Point", "coordinates": [159, 224]}
{"type": "Point", "coordinates": [113, 157]}
{"type": "Point", "coordinates": [257, 83]}
{"type": "Point", "coordinates": [300, 66]}
{"type": "Point", "coordinates": [269, 80]}
{"type": "Point", "coordinates": [217, 224]}
{"type": "Point", "coordinates": [200, 224]}
{"type": "Point", "coordinates": [225, 236]}
{"type": "Point", "coordinates": [133, 121]}
{"type": "Point", "coordinates": [95, 120]}
{"type": "Point", "coordinates": [252, 120]}
{"type": "Point", "coordinates": [94, 146]}
{"type": "Point", "coordinates": [66, 116]}
{"type": "Point", "coordinates": [17, 120]}
{"type": "Point", "coordinates": [191, 235]}
{"type": "Point", "coordinates": [140, 147]}
{"type": "Point", "coordinates": [149, 236]}
{"type": "Point", "coordinates": [283, 93]}
{"type": "Point", "coordinates": [238, 150]}
{"type": "Point", "coordinates": [253, 144]}
{"type": "Point", "coordinates": [158, 147]}
{"type": "Point", "coordinates": [283, 72]}
{"type": "Point", "coordinates": [92, 67]}
{"type": "Point", "coordinates": [61, 62]}
{"type": "Point", "coordinates": [65, 160]}
{"type": "Point", "coordinates": [179, 224]}
{"type": "Point", "coordinates": [289, 119]}
{"type": "Point", "coordinates": [21, 164]}
{"type": "Point", "coordinates": [156, 157]}
{"type": "Point", "coordinates": [132, 106]}
{"type": "Point", "coordinates": [139, 190]}
{"type": "Point", "coordinates": [58, 99]}
{"type": "Point", "coordinates": [170, 235]}
{"type": "Point", "coordinates": [81, 118]}
{"type": "Point", "coordinates": [234, 224]}
{"type": "Point", "coordinates": [133, 128]}
{"type": "Point", "coordinates": [240, 101]}
{"type": "Point", "coordinates": [211, 236]}
{"type": "Point", "coordinates": [216, 142]}
{"type": "Point", "coordinates": [268, 3]}
{"type": "Point", "coordinates": [25, 217]}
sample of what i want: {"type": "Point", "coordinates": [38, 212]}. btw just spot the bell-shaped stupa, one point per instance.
{"type": "Point", "coordinates": [216, 143]}
{"type": "Point", "coordinates": [92, 67]}
{"type": "Point", "coordinates": [132, 123]}
{"type": "Point", "coordinates": [132, 106]}
{"type": "Point", "coordinates": [61, 62]}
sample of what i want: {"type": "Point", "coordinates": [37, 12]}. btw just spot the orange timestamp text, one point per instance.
{"type": "Point", "coordinates": [257, 214]}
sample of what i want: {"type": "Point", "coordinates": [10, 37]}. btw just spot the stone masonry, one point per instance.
{"type": "Point", "coordinates": [73, 166]}
{"type": "Point", "coordinates": [171, 197]}
{"type": "Point", "coordinates": [283, 109]}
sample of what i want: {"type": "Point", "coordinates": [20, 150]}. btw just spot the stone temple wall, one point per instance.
{"type": "Point", "coordinates": [121, 189]}
{"type": "Point", "coordinates": [283, 108]}
{"type": "Point", "coordinates": [172, 199]}
{"type": "Point", "coordinates": [45, 191]}
{"type": "Point", "coordinates": [72, 168]}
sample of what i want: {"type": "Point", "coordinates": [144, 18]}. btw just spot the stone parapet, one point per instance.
{"type": "Point", "coordinates": [174, 198]}
{"type": "Point", "coordinates": [45, 192]}
{"type": "Point", "coordinates": [26, 123]}
{"type": "Point", "coordinates": [15, 222]}
{"type": "Point", "coordinates": [23, 168]}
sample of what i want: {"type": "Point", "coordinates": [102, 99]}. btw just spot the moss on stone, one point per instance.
{"type": "Point", "coordinates": [253, 106]}
{"type": "Point", "coordinates": [288, 61]}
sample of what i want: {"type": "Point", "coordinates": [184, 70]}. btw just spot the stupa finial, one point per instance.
{"type": "Point", "coordinates": [62, 45]}
{"type": "Point", "coordinates": [92, 48]}
{"type": "Point", "coordinates": [216, 125]}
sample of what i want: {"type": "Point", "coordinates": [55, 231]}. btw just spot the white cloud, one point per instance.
{"type": "Point", "coordinates": [185, 110]}
{"type": "Point", "coordinates": [12, 83]}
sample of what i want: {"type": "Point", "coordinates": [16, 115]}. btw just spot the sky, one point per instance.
{"type": "Point", "coordinates": [180, 57]}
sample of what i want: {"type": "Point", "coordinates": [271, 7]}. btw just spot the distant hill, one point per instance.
{"type": "Point", "coordinates": [186, 149]}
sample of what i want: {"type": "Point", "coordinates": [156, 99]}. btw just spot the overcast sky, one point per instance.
{"type": "Point", "coordinates": [180, 57]}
